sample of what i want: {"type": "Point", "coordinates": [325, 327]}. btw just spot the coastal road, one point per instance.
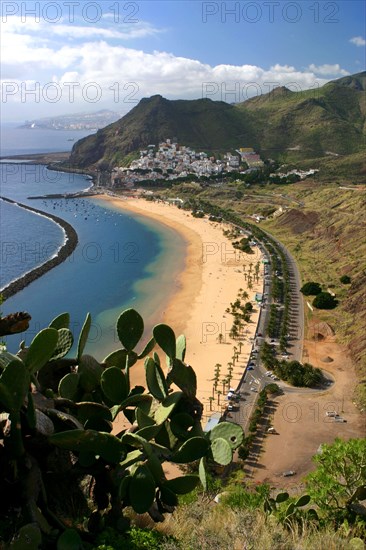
{"type": "Point", "coordinates": [254, 378]}
{"type": "Point", "coordinates": [297, 325]}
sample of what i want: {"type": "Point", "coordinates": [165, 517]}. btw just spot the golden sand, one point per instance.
{"type": "Point", "coordinates": [213, 274]}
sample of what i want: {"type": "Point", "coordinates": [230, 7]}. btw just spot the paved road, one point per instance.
{"type": "Point", "coordinates": [296, 307]}
{"type": "Point", "coordinates": [254, 378]}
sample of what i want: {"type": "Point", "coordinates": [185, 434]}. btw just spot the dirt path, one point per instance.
{"type": "Point", "coordinates": [301, 423]}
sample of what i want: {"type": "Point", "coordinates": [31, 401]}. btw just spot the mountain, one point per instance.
{"type": "Point", "coordinates": [311, 123]}
{"type": "Point", "coordinates": [330, 120]}
{"type": "Point", "coordinates": [205, 124]}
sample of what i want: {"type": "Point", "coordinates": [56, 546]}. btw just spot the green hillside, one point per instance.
{"type": "Point", "coordinates": [200, 123]}
{"type": "Point", "coordinates": [297, 125]}
{"type": "Point", "coordinates": [313, 122]}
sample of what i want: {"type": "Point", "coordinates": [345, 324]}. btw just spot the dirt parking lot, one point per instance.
{"type": "Point", "coordinates": [301, 423]}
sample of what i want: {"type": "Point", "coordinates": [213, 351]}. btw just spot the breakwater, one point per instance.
{"type": "Point", "coordinates": [77, 195]}
{"type": "Point", "coordinates": [63, 253]}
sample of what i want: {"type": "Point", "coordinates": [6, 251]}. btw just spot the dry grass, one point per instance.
{"type": "Point", "coordinates": [209, 526]}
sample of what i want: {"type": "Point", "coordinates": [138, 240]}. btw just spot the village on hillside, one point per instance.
{"type": "Point", "coordinates": [171, 161]}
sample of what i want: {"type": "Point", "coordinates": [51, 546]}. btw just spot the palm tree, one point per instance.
{"type": "Point", "coordinates": [211, 400]}
{"type": "Point", "coordinates": [225, 382]}
{"type": "Point", "coordinates": [217, 375]}
{"type": "Point", "coordinates": [220, 338]}
{"type": "Point", "coordinates": [245, 295]}
{"type": "Point", "coordinates": [234, 332]}
{"type": "Point", "coordinates": [218, 397]}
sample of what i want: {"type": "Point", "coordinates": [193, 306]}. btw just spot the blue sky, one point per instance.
{"type": "Point", "coordinates": [62, 57]}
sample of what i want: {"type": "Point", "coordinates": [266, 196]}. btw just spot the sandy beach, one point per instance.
{"type": "Point", "coordinates": [213, 274]}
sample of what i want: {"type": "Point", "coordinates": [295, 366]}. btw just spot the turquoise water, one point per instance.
{"type": "Point", "coordinates": [122, 260]}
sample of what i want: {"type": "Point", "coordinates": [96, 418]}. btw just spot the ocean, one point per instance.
{"type": "Point", "coordinates": [121, 261]}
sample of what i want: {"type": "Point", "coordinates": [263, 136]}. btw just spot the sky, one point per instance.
{"type": "Point", "coordinates": [64, 57]}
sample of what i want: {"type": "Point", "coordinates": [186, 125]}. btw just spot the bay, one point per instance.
{"type": "Point", "coordinates": [122, 260]}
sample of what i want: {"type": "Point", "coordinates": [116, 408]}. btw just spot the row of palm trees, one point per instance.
{"type": "Point", "coordinates": [241, 313]}
{"type": "Point", "coordinates": [224, 382]}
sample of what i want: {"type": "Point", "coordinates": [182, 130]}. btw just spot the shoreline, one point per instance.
{"type": "Point", "coordinates": [208, 284]}
{"type": "Point", "coordinates": [67, 248]}
{"type": "Point", "coordinates": [36, 158]}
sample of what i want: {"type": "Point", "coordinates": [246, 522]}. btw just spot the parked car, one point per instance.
{"type": "Point", "coordinates": [250, 368]}
{"type": "Point", "coordinates": [289, 473]}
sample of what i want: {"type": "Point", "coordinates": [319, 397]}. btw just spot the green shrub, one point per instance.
{"type": "Point", "coordinates": [345, 279]}
{"type": "Point", "coordinates": [324, 300]}
{"type": "Point", "coordinates": [311, 289]}
{"type": "Point", "coordinates": [134, 539]}
{"type": "Point", "coordinates": [241, 497]}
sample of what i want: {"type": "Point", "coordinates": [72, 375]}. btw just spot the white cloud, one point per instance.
{"type": "Point", "coordinates": [358, 41]}
{"type": "Point", "coordinates": [282, 68]}
{"type": "Point", "coordinates": [41, 28]}
{"type": "Point", "coordinates": [89, 56]}
{"type": "Point", "coordinates": [128, 32]}
{"type": "Point", "coordinates": [328, 70]}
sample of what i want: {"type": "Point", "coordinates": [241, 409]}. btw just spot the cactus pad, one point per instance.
{"type": "Point", "coordinates": [83, 337]}
{"type": "Point", "coordinates": [68, 386]}
{"type": "Point", "coordinates": [114, 385]}
{"type": "Point", "coordinates": [61, 321]}
{"type": "Point", "coordinates": [141, 490]}
{"type": "Point", "coordinates": [191, 450]}
{"type": "Point", "coordinates": [232, 433]}
{"type": "Point", "coordinates": [105, 445]}
{"type": "Point", "coordinates": [221, 451]}
{"type": "Point", "coordinates": [165, 337]}
{"type": "Point", "coordinates": [64, 343]}
{"type": "Point", "coordinates": [41, 349]}
{"type": "Point", "coordinates": [155, 379]}
{"type": "Point", "coordinates": [130, 328]}
{"type": "Point", "coordinates": [182, 485]}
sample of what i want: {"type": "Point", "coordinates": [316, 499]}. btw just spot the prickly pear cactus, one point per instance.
{"type": "Point", "coordinates": [159, 423]}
